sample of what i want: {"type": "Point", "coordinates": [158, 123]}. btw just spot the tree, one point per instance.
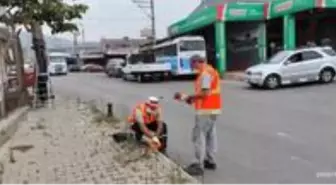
{"type": "Point", "coordinates": [32, 14]}
{"type": "Point", "coordinates": [57, 14]}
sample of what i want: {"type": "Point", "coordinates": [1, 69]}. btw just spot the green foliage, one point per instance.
{"type": "Point", "coordinates": [57, 14]}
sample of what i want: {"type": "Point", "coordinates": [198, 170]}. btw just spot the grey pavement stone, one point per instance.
{"type": "Point", "coordinates": [65, 146]}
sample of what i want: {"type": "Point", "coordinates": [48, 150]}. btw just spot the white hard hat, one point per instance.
{"type": "Point", "coordinates": [153, 99]}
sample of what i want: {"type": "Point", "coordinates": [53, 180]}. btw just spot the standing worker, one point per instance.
{"type": "Point", "coordinates": [147, 123]}
{"type": "Point", "coordinates": [207, 104]}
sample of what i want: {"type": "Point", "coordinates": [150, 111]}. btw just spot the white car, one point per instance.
{"type": "Point", "coordinates": [294, 66]}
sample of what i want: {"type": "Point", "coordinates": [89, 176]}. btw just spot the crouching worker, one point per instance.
{"type": "Point", "coordinates": [146, 121]}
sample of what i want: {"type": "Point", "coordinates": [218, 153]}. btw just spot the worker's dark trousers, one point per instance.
{"type": "Point", "coordinates": [153, 127]}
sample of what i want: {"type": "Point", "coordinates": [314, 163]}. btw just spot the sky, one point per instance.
{"type": "Point", "coordinates": [119, 18]}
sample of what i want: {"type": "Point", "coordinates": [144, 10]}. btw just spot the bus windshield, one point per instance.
{"type": "Point", "coordinates": [195, 45]}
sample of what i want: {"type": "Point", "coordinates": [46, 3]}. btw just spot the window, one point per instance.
{"type": "Point", "coordinates": [329, 52]}
{"type": "Point", "coordinates": [141, 58]}
{"type": "Point", "coordinates": [278, 57]}
{"type": "Point", "coordinates": [166, 51]}
{"type": "Point", "coordinates": [304, 56]}
{"type": "Point", "coordinates": [170, 50]}
{"type": "Point", "coordinates": [192, 45]}
{"type": "Point", "coordinates": [159, 52]}
{"type": "Point", "coordinates": [57, 59]}
{"type": "Point", "coordinates": [296, 58]}
{"type": "Point", "coordinates": [311, 55]}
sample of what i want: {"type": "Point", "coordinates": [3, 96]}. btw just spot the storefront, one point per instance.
{"type": "Point", "coordinates": [234, 33]}
{"type": "Point", "coordinates": [242, 34]}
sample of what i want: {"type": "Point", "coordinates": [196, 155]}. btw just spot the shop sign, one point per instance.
{"type": "Point", "coordinates": [284, 6]}
{"type": "Point", "coordinates": [238, 12]}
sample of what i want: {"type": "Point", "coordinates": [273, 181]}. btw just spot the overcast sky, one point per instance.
{"type": "Point", "coordinates": [119, 18]}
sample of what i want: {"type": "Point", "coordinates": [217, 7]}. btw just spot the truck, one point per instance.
{"type": "Point", "coordinates": [57, 63]}
{"type": "Point", "coordinates": [142, 67]}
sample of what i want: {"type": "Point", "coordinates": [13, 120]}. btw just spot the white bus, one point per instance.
{"type": "Point", "coordinates": [57, 64]}
{"type": "Point", "coordinates": [177, 53]}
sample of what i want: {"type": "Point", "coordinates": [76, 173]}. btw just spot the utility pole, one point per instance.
{"type": "Point", "coordinates": [75, 43]}
{"type": "Point", "coordinates": [152, 7]}
{"type": "Point", "coordinates": [148, 7]}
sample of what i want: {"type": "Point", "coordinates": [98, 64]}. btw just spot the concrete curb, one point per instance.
{"type": "Point", "coordinates": [10, 124]}
{"type": "Point", "coordinates": [164, 158]}
{"type": "Point", "coordinates": [234, 76]}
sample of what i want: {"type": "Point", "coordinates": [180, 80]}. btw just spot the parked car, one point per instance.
{"type": "Point", "coordinates": [74, 68]}
{"type": "Point", "coordinates": [114, 68]}
{"type": "Point", "coordinates": [92, 68]}
{"type": "Point", "coordinates": [294, 66]}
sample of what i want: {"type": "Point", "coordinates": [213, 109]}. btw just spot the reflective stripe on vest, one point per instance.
{"type": "Point", "coordinates": [211, 104]}
{"type": "Point", "coordinates": [142, 108]}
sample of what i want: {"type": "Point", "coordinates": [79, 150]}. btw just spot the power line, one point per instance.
{"type": "Point", "coordinates": [148, 8]}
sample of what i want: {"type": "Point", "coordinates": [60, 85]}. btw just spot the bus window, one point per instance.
{"type": "Point", "coordinates": [159, 52]}
{"type": "Point", "coordinates": [141, 58]}
{"type": "Point", "coordinates": [170, 50]}
{"type": "Point", "coordinates": [196, 45]}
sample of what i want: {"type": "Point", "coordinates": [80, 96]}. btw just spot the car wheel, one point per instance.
{"type": "Point", "coordinates": [272, 82]}
{"type": "Point", "coordinates": [327, 75]}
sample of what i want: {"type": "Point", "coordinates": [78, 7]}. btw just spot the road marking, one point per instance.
{"type": "Point", "coordinates": [299, 159]}
{"type": "Point", "coordinates": [282, 134]}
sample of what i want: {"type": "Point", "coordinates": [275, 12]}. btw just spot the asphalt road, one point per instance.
{"type": "Point", "coordinates": [282, 136]}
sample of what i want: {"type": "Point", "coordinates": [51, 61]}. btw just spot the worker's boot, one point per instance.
{"type": "Point", "coordinates": [194, 169]}
{"type": "Point", "coordinates": [209, 165]}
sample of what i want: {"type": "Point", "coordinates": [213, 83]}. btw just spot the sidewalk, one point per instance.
{"type": "Point", "coordinates": [235, 76]}
{"type": "Point", "coordinates": [64, 145]}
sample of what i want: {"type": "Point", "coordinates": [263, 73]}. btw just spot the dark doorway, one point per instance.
{"type": "Point", "coordinates": [274, 30]}
{"type": "Point", "coordinates": [209, 37]}
{"type": "Point", "coordinates": [242, 45]}
{"type": "Point", "coordinates": [316, 26]}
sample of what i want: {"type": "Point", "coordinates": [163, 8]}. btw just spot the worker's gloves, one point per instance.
{"type": "Point", "coordinates": [180, 96]}
{"type": "Point", "coordinates": [177, 96]}
{"type": "Point", "coordinates": [189, 100]}
{"type": "Point", "coordinates": [156, 140]}
{"type": "Point", "coordinates": [155, 144]}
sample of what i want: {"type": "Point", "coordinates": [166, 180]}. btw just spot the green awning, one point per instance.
{"type": "Point", "coordinates": [327, 3]}
{"type": "Point", "coordinates": [196, 20]}
{"type": "Point", "coordinates": [279, 8]}
{"type": "Point", "coordinates": [245, 11]}
{"type": "Point", "coordinates": [226, 12]}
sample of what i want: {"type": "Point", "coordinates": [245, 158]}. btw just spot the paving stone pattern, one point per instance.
{"type": "Point", "coordinates": [64, 144]}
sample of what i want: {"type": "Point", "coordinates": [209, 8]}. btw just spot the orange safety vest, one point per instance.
{"type": "Point", "coordinates": [211, 104]}
{"type": "Point", "coordinates": [146, 117]}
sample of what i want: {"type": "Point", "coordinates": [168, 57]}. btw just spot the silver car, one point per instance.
{"type": "Point", "coordinates": [294, 66]}
{"type": "Point", "coordinates": [113, 68]}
